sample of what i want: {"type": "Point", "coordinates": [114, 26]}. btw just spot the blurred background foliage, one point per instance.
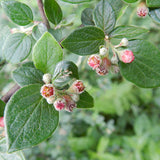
{"type": "Point", "coordinates": [124, 124]}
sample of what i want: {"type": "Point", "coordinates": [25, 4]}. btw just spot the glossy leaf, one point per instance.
{"type": "Point", "coordinates": [6, 156]}
{"type": "Point", "coordinates": [76, 1]}
{"type": "Point", "coordinates": [53, 11]}
{"type": "Point", "coordinates": [27, 75]}
{"type": "Point", "coordinates": [117, 6]}
{"type": "Point", "coordinates": [64, 72]}
{"type": "Point", "coordinates": [29, 119]}
{"type": "Point", "coordinates": [104, 16]}
{"type": "Point", "coordinates": [18, 12]}
{"type": "Point", "coordinates": [130, 1]}
{"type": "Point", "coordinates": [144, 71]}
{"type": "Point", "coordinates": [2, 107]}
{"type": "Point", "coordinates": [129, 32]}
{"type": "Point", "coordinates": [86, 101]}
{"type": "Point", "coordinates": [17, 47]}
{"type": "Point", "coordinates": [155, 14]}
{"type": "Point", "coordinates": [86, 16]}
{"type": "Point", "coordinates": [153, 3]}
{"type": "Point", "coordinates": [47, 53]}
{"type": "Point", "coordinates": [84, 41]}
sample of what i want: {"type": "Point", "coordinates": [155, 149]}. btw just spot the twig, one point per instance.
{"type": "Point", "coordinates": [8, 95]}
{"type": "Point", "coordinates": [41, 10]}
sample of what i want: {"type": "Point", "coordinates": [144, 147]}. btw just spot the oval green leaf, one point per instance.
{"type": "Point", "coordinates": [27, 75]}
{"type": "Point", "coordinates": [86, 17]}
{"type": "Point", "coordinates": [155, 14]}
{"type": "Point", "coordinates": [144, 71]}
{"type": "Point", "coordinates": [84, 41]}
{"type": "Point", "coordinates": [104, 16]}
{"type": "Point", "coordinates": [18, 12]}
{"type": "Point", "coordinates": [129, 32]}
{"type": "Point", "coordinates": [17, 47]}
{"type": "Point", "coordinates": [29, 119]}
{"type": "Point", "coordinates": [86, 100]}
{"type": "Point", "coordinates": [153, 3]}
{"type": "Point", "coordinates": [47, 53]}
{"type": "Point", "coordinates": [130, 1]}
{"type": "Point", "coordinates": [64, 72]}
{"type": "Point", "coordinates": [53, 11]}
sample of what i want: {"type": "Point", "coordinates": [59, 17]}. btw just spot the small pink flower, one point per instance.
{"type": "Point", "coordinates": [47, 90]}
{"type": "Point", "coordinates": [142, 10]}
{"type": "Point", "coordinates": [1, 121]}
{"type": "Point", "coordinates": [59, 104]}
{"type": "Point", "coordinates": [77, 87]}
{"type": "Point", "coordinates": [70, 104]}
{"type": "Point", "coordinates": [103, 69]}
{"type": "Point", "coordinates": [127, 56]}
{"type": "Point", "coordinates": [94, 61]}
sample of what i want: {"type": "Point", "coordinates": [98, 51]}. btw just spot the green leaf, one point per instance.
{"type": "Point", "coordinates": [86, 101]}
{"type": "Point", "coordinates": [129, 32]}
{"type": "Point", "coordinates": [47, 53]}
{"type": "Point", "coordinates": [5, 156]}
{"type": "Point", "coordinates": [38, 31]}
{"type": "Point", "coordinates": [155, 14]}
{"type": "Point", "coordinates": [27, 75]}
{"type": "Point", "coordinates": [29, 119]}
{"type": "Point", "coordinates": [76, 1]}
{"type": "Point", "coordinates": [53, 11]}
{"type": "Point", "coordinates": [84, 41]}
{"type": "Point", "coordinates": [144, 71]}
{"type": "Point", "coordinates": [104, 16]}
{"type": "Point", "coordinates": [86, 17]}
{"type": "Point", "coordinates": [2, 107]}
{"type": "Point", "coordinates": [18, 12]}
{"type": "Point", "coordinates": [17, 47]}
{"type": "Point", "coordinates": [153, 3]}
{"type": "Point", "coordinates": [64, 72]}
{"type": "Point", "coordinates": [117, 6]}
{"type": "Point", "coordinates": [130, 1]}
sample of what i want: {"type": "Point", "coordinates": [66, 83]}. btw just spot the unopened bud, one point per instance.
{"type": "Point", "coordinates": [47, 90]}
{"type": "Point", "coordinates": [103, 69]}
{"type": "Point", "coordinates": [114, 59]}
{"type": "Point", "coordinates": [94, 61]}
{"type": "Point", "coordinates": [124, 42]}
{"type": "Point", "coordinates": [60, 104]}
{"type": "Point", "coordinates": [142, 10]}
{"type": "Point", "coordinates": [47, 78]}
{"type": "Point", "coordinates": [103, 51]}
{"type": "Point", "coordinates": [75, 97]}
{"type": "Point", "coordinates": [77, 87]}
{"type": "Point", "coordinates": [126, 56]}
{"type": "Point", "coordinates": [51, 100]}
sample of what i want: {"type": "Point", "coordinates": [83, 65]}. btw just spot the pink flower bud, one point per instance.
{"type": "Point", "coordinates": [103, 69]}
{"type": "Point", "coordinates": [77, 87]}
{"type": "Point", "coordinates": [59, 104]}
{"type": "Point", "coordinates": [142, 10]}
{"type": "Point", "coordinates": [94, 61]}
{"type": "Point", "coordinates": [2, 122]}
{"type": "Point", "coordinates": [47, 90]}
{"type": "Point", "coordinates": [124, 42]}
{"type": "Point", "coordinates": [70, 104]}
{"type": "Point", "coordinates": [47, 78]}
{"type": "Point", "coordinates": [127, 56]}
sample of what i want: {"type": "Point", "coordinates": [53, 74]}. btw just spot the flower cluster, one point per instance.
{"type": "Point", "coordinates": [62, 99]}
{"type": "Point", "coordinates": [142, 10]}
{"type": "Point", "coordinates": [101, 62]}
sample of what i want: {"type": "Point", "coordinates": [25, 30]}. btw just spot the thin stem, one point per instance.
{"type": "Point", "coordinates": [8, 95]}
{"type": "Point", "coordinates": [41, 10]}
